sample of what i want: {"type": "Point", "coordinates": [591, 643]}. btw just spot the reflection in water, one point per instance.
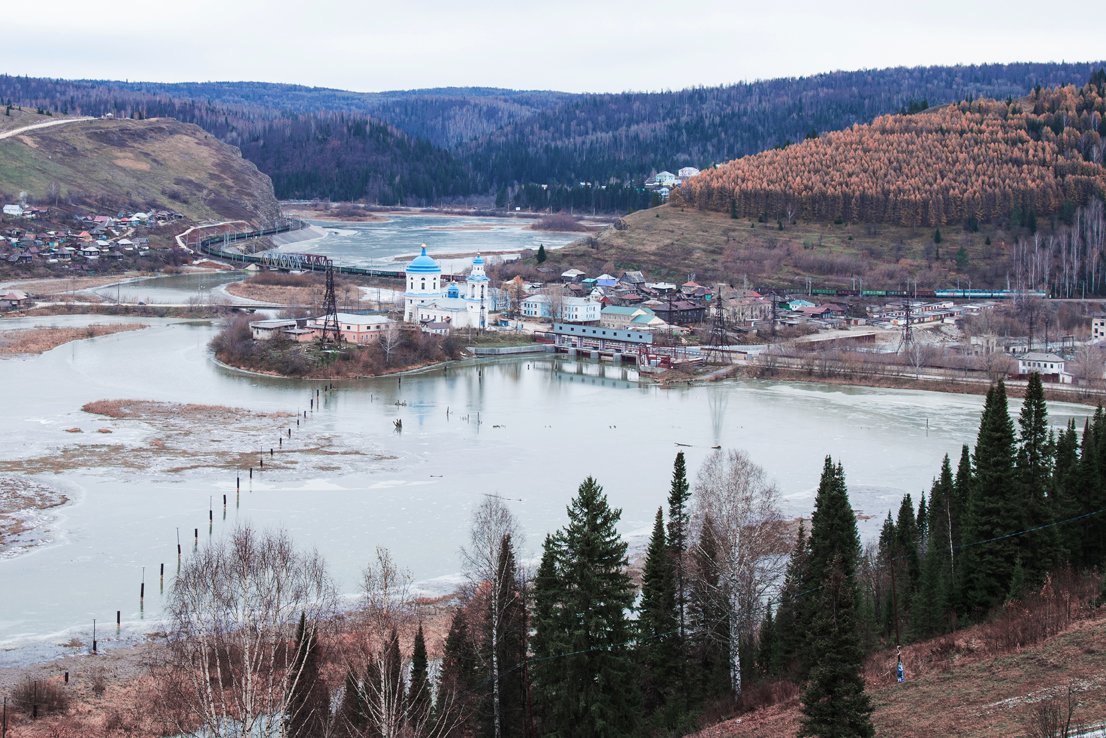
{"type": "Point", "coordinates": [717, 401]}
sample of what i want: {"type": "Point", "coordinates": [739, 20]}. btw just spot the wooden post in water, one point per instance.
{"type": "Point", "coordinates": [251, 472]}
{"type": "Point", "coordinates": [178, 546]}
{"type": "Point", "coordinates": [118, 620]}
{"type": "Point", "coordinates": [280, 442]}
{"type": "Point", "coordinates": [66, 677]}
{"type": "Point", "coordinates": [196, 541]}
{"type": "Point", "coordinates": [142, 588]}
{"type": "Point", "coordinates": [161, 587]}
{"type": "Point", "coordinates": [93, 636]}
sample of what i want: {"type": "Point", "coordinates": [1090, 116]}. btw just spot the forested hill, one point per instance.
{"type": "Point", "coordinates": [593, 138]}
{"type": "Point", "coordinates": [445, 116]}
{"type": "Point", "coordinates": [440, 145]}
{"type": "Point", "coordinates": [975, 162]}
{"type": "Point", "coordinates": [309, 152]}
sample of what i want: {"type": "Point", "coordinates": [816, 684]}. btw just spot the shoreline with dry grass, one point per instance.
{"type": "Point", "coordinates": [31, 341]}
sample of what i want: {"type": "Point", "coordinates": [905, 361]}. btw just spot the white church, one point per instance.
{"type": "Point", "coordinates": [429, 300]}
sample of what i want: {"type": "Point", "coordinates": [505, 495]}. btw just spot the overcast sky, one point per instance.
{"type": "Point", "coordinates": [571, 45]}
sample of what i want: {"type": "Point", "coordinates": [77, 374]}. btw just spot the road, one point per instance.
{"type": "Point", "coordinates": [47, 124]}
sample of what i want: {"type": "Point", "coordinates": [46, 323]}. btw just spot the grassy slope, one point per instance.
{"type": "Point", "coordinates": [672, 242]}
{"type": "Point", "coordinates": [976, 697]}
{"type": "Point", "coordinates": [18, 118]}
{"type": "Point", "coordinates": [144, 164]}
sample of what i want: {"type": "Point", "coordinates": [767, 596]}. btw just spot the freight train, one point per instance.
{"type": "Point", "coordinates": [953, 294]}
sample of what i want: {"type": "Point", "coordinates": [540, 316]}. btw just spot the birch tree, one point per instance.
{"type": "Point", "coordinates": [735, 498]}
{"type": "Point", "coordinates": [233, 613]}
{"type": "Point", "coordinates": [494, 528]}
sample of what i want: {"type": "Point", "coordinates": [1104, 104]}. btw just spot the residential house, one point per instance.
{"type": "Point", "coordinates": [632, 279]}
{"type": "Point", "coordinates": [13, 299]}
{"type": "Point", "coordinates": [678, 312]}
{"type": "Point", "coordinates": [686, 173]}
{"type": "Point", "coordinates": [572, 275]}
{"type": "Point", "coordinates": [1050, 366]}
{"type": "Point", "coordinates": [621, 317]}
{"type": "Point", "coordinates": [356, 328]}
{"type": "Point", "coordinates": [265, 330]}
{"type": "Point", "coordinates": [1098, 329]}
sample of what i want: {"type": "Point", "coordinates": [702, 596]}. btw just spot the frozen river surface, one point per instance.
{"type": "Point", "coordinates": [527, 429]}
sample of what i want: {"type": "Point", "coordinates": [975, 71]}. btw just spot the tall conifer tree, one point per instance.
{"type": "Point", "coordinates": [708, 619]}
{"type": "Point", "coordinates": [791, 622]}
{"type": "Point", "coordinates": [308, 698]}
{"type": "Point", "coordinates": [460, 680]}
{"type": "Point", "coordinates": [679, 522]}
{"type": "Point", "coordinates": [1040, 550]}
{"type": "Point", "coordinates": [419, 701]}
{"type": "Point", "coordinates": [994, 509]}
{"type": "Point", "coordinates": [834, 701]}
{"type": "Point", "coordinates": [585, 683]}
{"type": "Point", "coordinates": [657, 633]}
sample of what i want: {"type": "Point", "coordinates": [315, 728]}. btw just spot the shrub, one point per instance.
{"type": "Point", "coordinates": [37, 697]}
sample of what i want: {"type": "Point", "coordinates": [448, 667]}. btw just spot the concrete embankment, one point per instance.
{"type": "Point", "coordinates": [537, 348]}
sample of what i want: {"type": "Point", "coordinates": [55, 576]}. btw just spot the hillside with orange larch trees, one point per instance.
{"type": "Point", "coordinates": [978, 161]}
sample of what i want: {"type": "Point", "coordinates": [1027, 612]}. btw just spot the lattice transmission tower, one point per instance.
{"type": "Point", "coordinates": [719, 338]}
{"type": "Point", "coordinates": [331, 331]}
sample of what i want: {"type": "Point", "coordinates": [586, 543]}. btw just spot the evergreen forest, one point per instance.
{"type": "Point", "coordinates": [529, 149]}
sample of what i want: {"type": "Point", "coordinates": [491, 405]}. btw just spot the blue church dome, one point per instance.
{"type": "Point", "coordinates": [423, 264]}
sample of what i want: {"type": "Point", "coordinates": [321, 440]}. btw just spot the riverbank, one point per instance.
{"type": "Point", "coordinates": [1015, 388]}
{"type": "Point", "coordinates": [37, 340]}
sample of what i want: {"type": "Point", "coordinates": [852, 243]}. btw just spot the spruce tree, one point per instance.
{"type": "Point", "coordinates": [708, 620]}
{"type": "Point", "coordinates": [994, 511]}
{"type": "Point", "coordinates": [833, 533]}
{"type": "Point", "coordinates": [679, 522]}
{"type": "Point", "coordinates": [418, 690]}
{"type": "Point", "coordinates": [459, 682]}
{"type": "Point", "coordinates": [541, 253]}
{"type": "Point", "coordinates": [790, 622]}
{"type": "Point", "coordinates": [768, 652]}
{"type": "Point", "coordinates": [933, 600]}
{"type": "Point", "coordinates": [308, 698]}
{"type": "Point", "coordinates": [1040, 550]}
{"type": "Point", "coordinates": [1086, 499]}
{"type": "Point", "coordinates": [351, 719]}
{"type": "Point", "coordinates": [586, 687]}
{"type": "Point", "coordinates": [656, 625]}
{"type": "Point", "coordinates": [1065, 481]}
{"type": "Point", "coordinates": [834, 701]}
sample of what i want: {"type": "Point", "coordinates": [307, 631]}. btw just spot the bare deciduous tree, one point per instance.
{"type": "Point", "coordinates": [388, 615]}
{"type": "Point", "coordinates": [741, 504]}
{"type": "Point", "coordinates": [233, 612]}
{"type": "Point", "coordinates": [492, 522]}
{"type": "Point", "coordinates": [388, 341]}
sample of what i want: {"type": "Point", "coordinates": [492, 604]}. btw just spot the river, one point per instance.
{"type": "Point", "coordinates": [526, 429]}
{"type": "Point", "coordinates": [377, 244]}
